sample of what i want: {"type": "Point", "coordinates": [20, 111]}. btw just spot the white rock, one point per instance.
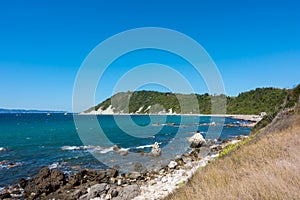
{"type": "Point", "coordinates": [156, 150]}
{"type": "Point", "coordinates": [120, 182]}
{"type": "Point", "coordinates": [164, 179]}
{"type": "Point", "coordinates": [196, 140]}
{"type": "Point", "coordinates": [172, 165]}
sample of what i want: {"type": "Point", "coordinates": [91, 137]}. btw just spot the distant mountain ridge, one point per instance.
{"type": "Point", "coordinates": [17, 111]}
{"type": "Point", "coordinates": [152, 102]}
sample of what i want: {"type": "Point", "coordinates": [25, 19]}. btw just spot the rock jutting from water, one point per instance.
{"type": "Point", "coordinates": [156, 150]}
{"type": "Point", "coordinates": [197, 140]}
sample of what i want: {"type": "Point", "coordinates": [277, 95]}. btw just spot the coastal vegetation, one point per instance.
{"type": "Point", "coordinates": [252, 102]}
{"type": "Point", "coordinates": [264, 166]}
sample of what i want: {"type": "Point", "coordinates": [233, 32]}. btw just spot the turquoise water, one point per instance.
{"type": "Point", "coordinates": [32, 141]}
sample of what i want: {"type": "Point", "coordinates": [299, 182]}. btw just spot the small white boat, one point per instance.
{"type": "Point", "coordinates": [48, 114]}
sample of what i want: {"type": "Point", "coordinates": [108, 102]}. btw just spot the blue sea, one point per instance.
{"type": "Point", "coordinates": [72, 142]}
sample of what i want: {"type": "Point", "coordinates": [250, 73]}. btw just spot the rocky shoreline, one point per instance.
{"type": "Point", "coordinates": [112, 184]}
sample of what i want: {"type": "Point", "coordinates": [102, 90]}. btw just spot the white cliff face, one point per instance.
{"type": "Point", "coordinates": [147, 109]}
{"type": "Point", "coordinates": [170, 111]}
{"type": "Point", "coordinates": [100, 111]}
{"type": "Point", "coordinates": [140, 109]}
{"type": "Point", "coordinates": [110, 110]}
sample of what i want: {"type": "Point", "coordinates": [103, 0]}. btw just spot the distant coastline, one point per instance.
{"type": "Point", "coordinates": [22, 111]}
{"type": "Point", "coordinates": [253, 118]}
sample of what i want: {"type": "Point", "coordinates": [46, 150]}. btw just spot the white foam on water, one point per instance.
{"type": "Point", "coordinates": [98, 149]}
{"type": "Point", "coordinates": [124, 149]}
{"type": "Point", "coordinates": [146, 146]}
{"type": "Point", "coordinates": [70, 148]}
{"type": "Point", "coordinates": [105, 150]}
{"type": "Point", "coordinates": [53, 165]}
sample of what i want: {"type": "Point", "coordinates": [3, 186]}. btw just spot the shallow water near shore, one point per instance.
{"type": "Point", "coordinates": [31, 141]}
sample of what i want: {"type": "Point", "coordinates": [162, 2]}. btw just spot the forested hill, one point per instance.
{"type": "Point", "coordinates": [251, 102]}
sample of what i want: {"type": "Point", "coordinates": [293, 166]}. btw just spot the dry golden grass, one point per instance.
{"type": "Point", "coordinates": [268, 167]}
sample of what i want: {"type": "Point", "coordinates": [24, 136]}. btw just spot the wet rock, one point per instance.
{"type": "Point", "coordinates": [86, 175]}
{"type": "Point", "coordinates": [80, 177]}
{"type": "Point", "coordinates": [57, 179]}
{"type": "Point", "coordinates": [140, 152]}
{"type": "Point", "coordinates": [195, 154]}
{"type": "Point", "coordinates": [196, 140]}
{"type": "Point", "coordinates": [172, 165]}
{"type": "Point", "coordinates": [5, 195]}
{"type": "Point", "coordinates": [156, 150]}
{"type": "Point", "coordinates": [22, 183]}
{"type": "Point", "coordinates": [74, 180]}
{"type": "Point", "coordinates": [179, 161]}
{"type": "Point", "coordinates": [116, 148]}
{"type": "Point", "coordinates": [45, 182]}
{"type": "Point", "coordinates": [124, 153]}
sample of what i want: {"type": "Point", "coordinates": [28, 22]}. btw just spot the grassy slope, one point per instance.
{"type": "Point", "coordinates": [267, 167]}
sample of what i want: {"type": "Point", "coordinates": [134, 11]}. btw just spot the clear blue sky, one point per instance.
{"type": "Point", "coordinates": [43, 43]}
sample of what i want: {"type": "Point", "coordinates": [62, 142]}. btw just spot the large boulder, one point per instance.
{"type": "Point", "coordinates": [156, 150]}
{"type": "Point", "coordinates": [196, 140]}
{"type": "Point", "coordinates": [46, 181]}
{"type": "Point", "coordinates": [97, 190]}
{"type": "Point", "coordinates": [128, 192]}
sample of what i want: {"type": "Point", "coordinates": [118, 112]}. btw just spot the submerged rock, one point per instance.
{"type": "Point", "coordinates": [156, 150]}
{"type": "Point", "coordinates": [139, 167]}
{"type": "Point", "coordinates": [197, 140]}
{"type": "Point", "coordinates": [124, 153]}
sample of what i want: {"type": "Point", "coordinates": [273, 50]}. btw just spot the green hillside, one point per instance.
{"type": "Point", "coordinates": [252, 102]}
